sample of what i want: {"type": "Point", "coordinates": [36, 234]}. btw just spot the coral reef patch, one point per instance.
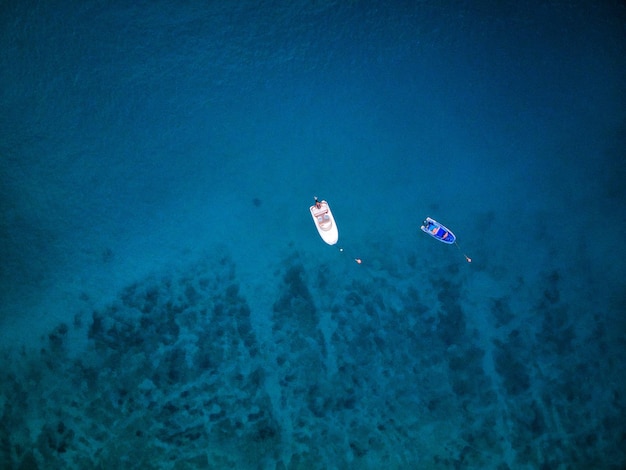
{"type": "Point", "coordinates": [364, 371]}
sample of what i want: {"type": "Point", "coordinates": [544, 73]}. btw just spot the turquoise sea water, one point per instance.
{"type": "Point", "coordinates": [166, 301]}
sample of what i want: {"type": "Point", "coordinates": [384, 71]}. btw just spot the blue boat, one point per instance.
{"type": "Point", "coordinates": [438, 231]}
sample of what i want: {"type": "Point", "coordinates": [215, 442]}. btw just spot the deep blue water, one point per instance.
{"type": "Point", "coordinates": [166, 301]}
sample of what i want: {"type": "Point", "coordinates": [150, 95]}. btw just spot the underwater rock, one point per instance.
{"type": "Point", "coordinates": [140, 387]}
{"type": "Point", "coordinates": [512, 371]}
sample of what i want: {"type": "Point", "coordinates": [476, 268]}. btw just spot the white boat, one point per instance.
{"type": "Point", "coordinates": [325, 222]}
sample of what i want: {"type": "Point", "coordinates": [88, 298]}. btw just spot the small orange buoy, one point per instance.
{"type": "Point", "coordinates": [358, 260]}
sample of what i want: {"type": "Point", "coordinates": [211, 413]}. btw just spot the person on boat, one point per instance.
{"type": "Point", "coordinates": [317, 203]}
{"type": "Point", "coordinates": [427, 224]}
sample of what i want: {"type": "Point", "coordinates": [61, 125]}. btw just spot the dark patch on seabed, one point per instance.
{"type": "Point", "coordinates": [367, 373]}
